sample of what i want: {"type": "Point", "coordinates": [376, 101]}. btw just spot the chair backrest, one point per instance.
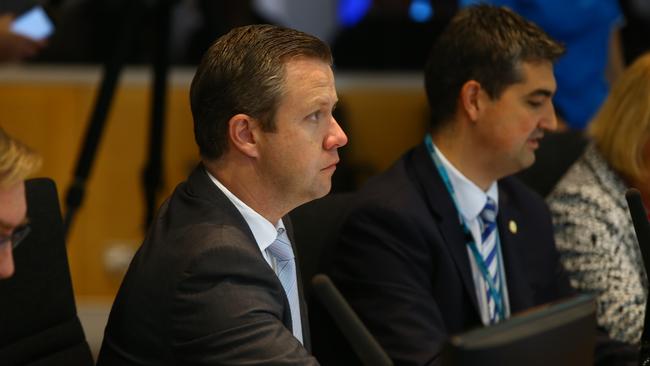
{"type": "Point", "coordinates": [38, 316]}
{"type": "Point", "coordinates": [557, 152]}
{"type": "Point", "coordinates": [316, 230]}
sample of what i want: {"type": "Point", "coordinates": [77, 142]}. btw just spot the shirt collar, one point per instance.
{"type": "Point", "coordinates": [470, 198]}
{"type": "Point", "coordinates": [263, 230]}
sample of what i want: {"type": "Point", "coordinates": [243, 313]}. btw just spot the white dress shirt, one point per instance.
{"type": "Point", "coordinates": [470, 200]}
{"type": "Point", "coordinates": [264, 231]}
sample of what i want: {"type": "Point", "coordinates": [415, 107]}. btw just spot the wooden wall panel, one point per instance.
{"type": "Point", "coordinates": [48, 109]}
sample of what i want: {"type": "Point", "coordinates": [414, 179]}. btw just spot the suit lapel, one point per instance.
{"type": "Point", "coordinates": [445, 214]}
{"type": "Point", "coordinates": [200, 185]}
{"type": "Point", "coordinates": [519, 293]}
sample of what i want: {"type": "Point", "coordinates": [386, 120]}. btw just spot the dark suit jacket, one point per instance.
{"type": "Point", "coordinates": [402, 259]}
{"type": "Point", "coordinates": [199, 291]}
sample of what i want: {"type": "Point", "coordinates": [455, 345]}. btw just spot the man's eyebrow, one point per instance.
{"type": "Point", "coordinates": [541, 92]}
{"type": "Point", "coordinates": [323, 101]}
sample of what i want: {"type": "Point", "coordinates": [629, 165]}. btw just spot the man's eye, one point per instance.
{"type": "Point", "coordinates": [535, 103]}
{"type": "Point", "coordinates": [314, 116]}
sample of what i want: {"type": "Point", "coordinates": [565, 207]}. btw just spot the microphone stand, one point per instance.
{"type": "Point", "coordinates": [642, 230]}
{"type": "Point", "coordinates": [113, 66]}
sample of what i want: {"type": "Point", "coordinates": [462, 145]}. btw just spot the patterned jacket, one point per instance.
{"type": "Point", "coordinates": [598, 246]}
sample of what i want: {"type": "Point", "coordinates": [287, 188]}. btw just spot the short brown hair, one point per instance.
{"type": "Point", "coordinates": [17, 161]}
{"type": "Point", "coordinates": [483, 43]}
{"type": "Point", "coordinates": [621, 127]}
{"type": "Point", "coordinates": [243, 72]}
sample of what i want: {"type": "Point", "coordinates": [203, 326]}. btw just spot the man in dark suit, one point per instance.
{"type": "Point", "coordinates": [215, 281]}
{"type": "Point", "coordinates": [445, 241]}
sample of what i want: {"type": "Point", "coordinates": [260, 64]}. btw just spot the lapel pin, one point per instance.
{"type": "Point", "coordinates": [512, 225]}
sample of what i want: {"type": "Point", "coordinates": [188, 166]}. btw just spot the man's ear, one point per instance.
{"type": "Point", "coordinates": [469, 99]}
{"type": "Point", "coordinates": [242, 134]}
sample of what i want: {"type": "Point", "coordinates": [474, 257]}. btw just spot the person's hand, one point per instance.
{"type": "Point", "coordinates": [15, 47]}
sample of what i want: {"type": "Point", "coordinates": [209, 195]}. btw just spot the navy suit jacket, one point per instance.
{"type": "Point", "coordinates": [402, 259]}
{"type": "Point", "coordinates": [199, 291]}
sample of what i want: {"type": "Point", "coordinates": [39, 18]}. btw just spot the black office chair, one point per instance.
{"type": "Point", "coordinates": [316, 229]}
{"type": "Point", "coordinates": [557, 152]}
{"type": "Point", "coordinates": [38, 317]}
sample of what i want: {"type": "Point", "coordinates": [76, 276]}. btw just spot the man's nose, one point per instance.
{"type": "Point", "coordinates": [6, 260]}
{"type": "Point", "coordinates": [336, 138]}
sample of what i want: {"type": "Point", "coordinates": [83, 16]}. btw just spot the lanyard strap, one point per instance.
{"type": "Point", "coordinates": [478, 258]}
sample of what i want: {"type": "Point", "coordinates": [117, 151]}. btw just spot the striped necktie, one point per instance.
{"type": "Point", "coordinates": [489, 251]}
{"type": "Point", "coordinates": [285, 269]}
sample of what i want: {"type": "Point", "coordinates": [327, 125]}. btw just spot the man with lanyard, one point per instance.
{"type": "Point", "coordinates": [445, 241]}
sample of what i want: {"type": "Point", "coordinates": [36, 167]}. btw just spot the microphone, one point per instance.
{"type": "Point", "coordinates": [641, 225]}
{"type": "Point", "coordinates": [642, 229]}
{"type": "Point", "coordinates": [363, 343]}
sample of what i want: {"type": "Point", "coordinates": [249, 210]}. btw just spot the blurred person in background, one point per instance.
{"type": "Point", "coordinates": [593, 228]}
{"type": "Point", "coordinates": [15, 47]}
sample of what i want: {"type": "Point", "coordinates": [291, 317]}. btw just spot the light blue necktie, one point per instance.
{"type": "Point", "coordinates": [489, 252]}
{"type": "Point", "coordinates": [285, 269]}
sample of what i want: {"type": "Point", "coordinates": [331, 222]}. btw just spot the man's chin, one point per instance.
{"type": "Point", "coordinates": [527, 161]}
{"type": "Point", "coordinates": [323, 191]}
{"type": "Point", "coordinates": [316, 193]}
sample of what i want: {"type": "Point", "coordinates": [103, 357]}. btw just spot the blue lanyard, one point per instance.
{"type": "Point", "coordinates": [478, 258]}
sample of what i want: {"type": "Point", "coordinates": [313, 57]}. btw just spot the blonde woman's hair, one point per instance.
{"type": "Point", "coordinates": [621, 127]}
{"type": "Point", "coordinates": [17, 161]}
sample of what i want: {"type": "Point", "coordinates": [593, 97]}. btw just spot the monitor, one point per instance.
{"type": "Point", "coordinates": [558, 334]}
